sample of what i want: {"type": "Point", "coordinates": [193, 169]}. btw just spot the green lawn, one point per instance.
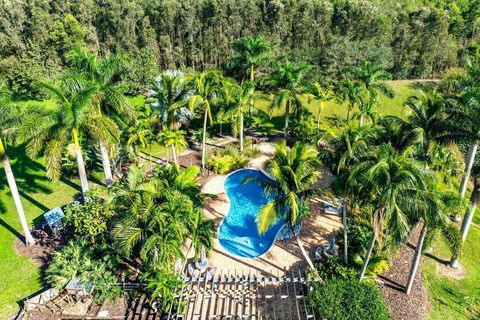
{"type": "Point", "coordinates": [19, 277]}
{"type": "Point", "coordinates": [387, 106]}
{"type": "Point", "coordinates": [455, 299]}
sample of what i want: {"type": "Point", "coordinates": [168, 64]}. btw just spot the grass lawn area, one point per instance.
{"type": "Point", "coordinates": [387, 106]}
{"type": "Point", "coordinates": [20, 278]}
{"type": "Point", "coordinates": [455, 299]}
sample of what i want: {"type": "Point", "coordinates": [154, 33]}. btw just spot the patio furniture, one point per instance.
{"type": "Point", "coordinates": [334, 208]}
{"type": "Point", "coordinates": [194, 274]}
{"type": "Point", "coordinates": [330, 250]}
{"type": "Point", "coordinates": [79, 290]}
{"type": "Point", "coordinates": [54, 219]}
{"type": "Point", "coordinates": [333, 211]}
{"type": "Point", "coordinates": [202, 263]}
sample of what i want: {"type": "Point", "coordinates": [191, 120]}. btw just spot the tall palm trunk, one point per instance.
{"type": "Point", "coordinates": [250, 104]}
{"type": "Point", "coordinates": [241, 129]}
{"type": "Point", "coordinates": [345, 232]}
{"type": "Point", "coordinates": [304, 253]}
{"type": "Point", "coordinates": [204, 138]}
{"type": "Point", "coordinates": [320, 108]}
{"type": "Point", "coordinates": [82, 172]}
{"type": "Point", "coordinates": [174, 150]}
{"type": "Point", "coordinates": [15, 195]}
{"type": "Point", "coordinates": [468, 168]}
{"type": "Point", "coordinates": [467, 220]}
{"type": "Point", "coordinates": [367, 258]}
{"type": "Point", "coordinates": [287, 116]}
{"type": "Point", "coordinates": [107, 169]}
{"type": "Point", "coordinates": [349, 109]}
{"type": "Point", "coordinates": [416, 259]}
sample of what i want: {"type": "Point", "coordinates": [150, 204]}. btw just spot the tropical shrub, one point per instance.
{"type": "Point", "coordinates": [78, 259]}
{"type": "Point", "coordinates": [334, 268]}
{"type": "Point", "coordinates": [91, 219]}
{"type": "Point", "coordinates": [161, 286]}
{"type": "Point", "coordinates": [222, 165]}
{"type": "Point", "coordinates": [340, 299]}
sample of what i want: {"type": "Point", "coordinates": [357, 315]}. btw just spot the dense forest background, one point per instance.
{"type": "Point", "coordinates": [411, 39]}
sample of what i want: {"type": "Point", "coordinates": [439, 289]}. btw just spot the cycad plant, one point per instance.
{"type": "Point", "coordinates": [72, 118]}
{"type": "Point", "coordinates": [294, 172]}
{"type": "Point", "coordinates": [109, 98]}
{"type": "Point", "coordinates": [11, 118]}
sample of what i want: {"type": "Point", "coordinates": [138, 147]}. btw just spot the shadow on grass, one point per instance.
{"type": "Point", "coordinates": [30, 177]}
{"type": "Point", "coordinates": [12, 230]}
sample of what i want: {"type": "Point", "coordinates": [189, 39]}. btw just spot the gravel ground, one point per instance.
{"type": "Point", "coordinates": [392, 285]}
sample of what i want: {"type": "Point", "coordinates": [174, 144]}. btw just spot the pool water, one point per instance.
{"type": "Point", "coordinates": [238, 231]}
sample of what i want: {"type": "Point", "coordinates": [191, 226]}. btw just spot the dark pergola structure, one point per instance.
{"type": "Point", "coordinates": [243, 296]}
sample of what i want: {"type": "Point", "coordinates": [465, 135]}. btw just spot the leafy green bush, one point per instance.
{"type": "Point", "coordinates": [90, 220]}
{"type": "Point", "coordinates": [334, 268]}
{"type": "Point", "coordinates": [230, 158]}
{"type": "Point", "coordinates": [223, 164]}
{"type": "Point", "coordinates": [342, 299]}
{"type": "Point", "coordinates": [77, 259]}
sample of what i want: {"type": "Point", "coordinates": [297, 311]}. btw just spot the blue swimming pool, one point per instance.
{"type": "Point", "coordinates": [238, 231]}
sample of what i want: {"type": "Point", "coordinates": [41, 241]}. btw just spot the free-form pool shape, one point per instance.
{"type": "Point", "coordinates": [238, 232]}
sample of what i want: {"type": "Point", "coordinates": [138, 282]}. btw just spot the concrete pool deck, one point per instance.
{"type": "Point", "coordinates": [316, 231]}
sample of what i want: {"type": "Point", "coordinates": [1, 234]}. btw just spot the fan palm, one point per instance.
{"type": "Point", "coordinates": [387, 182]}
{"type": "Point", "coordinates": [174, 139]}
{"type": "Point", "coordinates": [294, 172]}
{"type": "Point", "coordinates": [287, 81]}
{"type": "Point", "coordinates": [322, 95]}
{"type": "Point", "coordinates": [207, 86]}
{"type": "Point", "coordinates": [110, 95]}
{"type": "Point", "coordinates": [72, 118]}
{"type": "Point", "coordinates": [10, 119]}
{"type": "Point", "coordinates": [170, 93]}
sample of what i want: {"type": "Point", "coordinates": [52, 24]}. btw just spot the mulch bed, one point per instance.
{"type": "Point", "coordinates": [45, 244]}
{"type": "Point", "coordinates": [392, 285]}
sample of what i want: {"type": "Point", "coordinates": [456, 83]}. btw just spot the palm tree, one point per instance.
{"type": "Point", "coordinates": [351, 91]}
{"type": "Point", "coordinates": [208, 86]}
{"type": "Point", "coordinates": [10, 118]}
{"type": "Point", "coordinates": [322, 95]}
{"type": "Point", "coordinates": [373, 76]}
{"type": "Point", "coordinates": [72, 118]}
{"type": "Point", "coordinates": [155, 219]}
{"type": "Point", "coordinates": [174, 139]}
{"type": "Point", "coordinates": [236, 98]}
{"type": "Point", "coordinates": [286, 79]}
{"type": "Point", "coordinates": [429, 123]}
{"type": "Point", "coordinates": [367, 106]}
{"type": "Point", "coordinates": [465, 88]}
{"type": "Point", "coordinates": [110, 96]}
{"type": "Point", "coordinates": [387, 182]}
{"type": "Point", "coordinates": [434, 210]}
{"type": "Point", "coordinates": [170, 93]}
{"type": "Point", "coordinates": [467, 220]}
{"type": "Point", "coordinates": [250, 53]}
{"type": "Point", "coordinates": [294, 172]}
